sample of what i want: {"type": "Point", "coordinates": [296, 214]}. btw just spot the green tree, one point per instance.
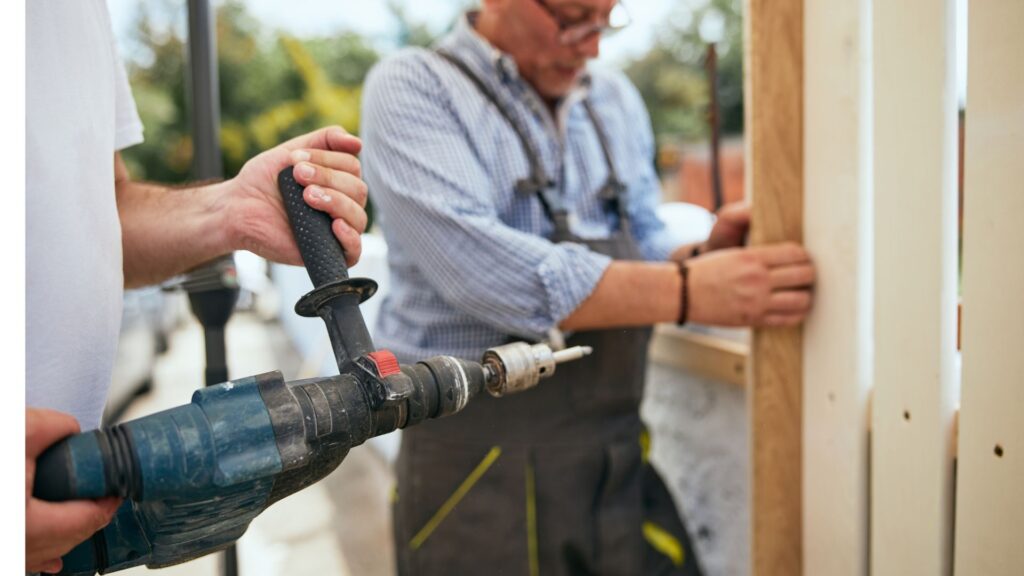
{"type": "Point", "coordinates": [671, 76]}
{"type": "Point", "coordinates": [272, 87]}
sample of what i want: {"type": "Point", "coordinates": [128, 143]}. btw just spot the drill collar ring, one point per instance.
{"type": "Point", "coordinates": [317, 297]}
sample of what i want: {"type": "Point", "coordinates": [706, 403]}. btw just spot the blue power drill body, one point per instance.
{"type": "Point", "coordinates": [181, 475]}
{"type": "Point", "coordinates": [194, 477]}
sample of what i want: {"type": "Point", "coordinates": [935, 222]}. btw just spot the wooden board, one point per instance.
{"type": "Point", "coordinates": [915, 209]}
{"type": "Point", "coordinates": [700, 354]}
{"type": "Point", "coordinates": [773, 47]}
{"type": "Point", "coordinates": [990, 486]}
{"type": "Point", "coordinates": [837, 336]}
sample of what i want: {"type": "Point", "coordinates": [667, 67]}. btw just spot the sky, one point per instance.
{"type": "Point", "coordinates": [371, 18]}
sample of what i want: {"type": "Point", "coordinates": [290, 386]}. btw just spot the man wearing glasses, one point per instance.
{"type": "Point", "coordinates": [517, 195]}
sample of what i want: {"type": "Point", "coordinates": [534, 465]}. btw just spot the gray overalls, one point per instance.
{"type": "Point", "coordinates": [553, 481]}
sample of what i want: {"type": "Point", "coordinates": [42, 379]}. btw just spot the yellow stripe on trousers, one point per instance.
{"type": "Point", "coordinates": [664, 542]}
{"type": "Point", "coordinates": [531, 520]}
{"type": "Point", "coordinates": [645, 445]}
{"type": "Point", "coordinates": [454, 499]}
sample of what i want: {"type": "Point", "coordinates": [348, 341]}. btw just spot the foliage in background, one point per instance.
{"type": "Point", "coordinates": [671, 76]}
{"type": "Point", "coordinates": [273, 86]}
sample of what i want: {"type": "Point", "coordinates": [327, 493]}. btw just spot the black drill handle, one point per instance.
{"type": "Point", "coordinates": [322, 253]}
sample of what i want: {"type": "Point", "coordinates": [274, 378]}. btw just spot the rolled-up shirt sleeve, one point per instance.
{"type": "Point", "coordinates": [437, 206]}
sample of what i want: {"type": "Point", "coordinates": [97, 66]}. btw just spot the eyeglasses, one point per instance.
{"type": "Point", "coordinates": [576, 23]}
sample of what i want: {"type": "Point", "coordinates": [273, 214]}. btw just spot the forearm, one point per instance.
{"type": "Point", "coordinates": [630, 294]}
{"type": "Point", "coordinates": [167, 231]}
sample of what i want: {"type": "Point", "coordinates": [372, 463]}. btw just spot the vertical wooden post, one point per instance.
{"type": "Point", "coordinates": [837, 336]}
{"type": "Point", "coordinates": [915, 208]}
{"type": "Point", "coordinates": [774, 111]}
{"type": "Point", "coordinates": [990, 485]}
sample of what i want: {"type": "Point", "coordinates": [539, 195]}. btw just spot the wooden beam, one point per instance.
{"type": "Point", "coordinates": [702, 355]}
{"type": "Point", "coordinates": [837, 336]}
{"type": "Point", "coordinates": [774, 51]}
{"type": "Point", "coordinates": [915, 210]}
{"type": "Point", "coordinates": [990, 471]}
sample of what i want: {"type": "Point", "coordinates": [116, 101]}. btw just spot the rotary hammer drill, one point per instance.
{"type": "Point", "coordinates": [194, 477]}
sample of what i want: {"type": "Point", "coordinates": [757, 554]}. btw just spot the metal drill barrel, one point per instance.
{"type": "Point", "coordinates": [519, 366]}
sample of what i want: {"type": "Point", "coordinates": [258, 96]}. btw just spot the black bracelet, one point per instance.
{"type": "Point", "coordinates": [684, 294]}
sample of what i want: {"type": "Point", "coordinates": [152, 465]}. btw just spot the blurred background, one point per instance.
{"type": "Point", "coordinates": [289, 67]}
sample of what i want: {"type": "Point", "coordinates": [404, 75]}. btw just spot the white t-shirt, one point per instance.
{"type": "Point", "coordinates": [79, 112]}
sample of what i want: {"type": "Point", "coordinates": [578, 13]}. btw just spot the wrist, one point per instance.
{"type": "Point", "coordinates": [224, 232]}
{"type": "Point", "coordinates": [697, 296]}
{"type": "Point", "coordinates": [684, 294]}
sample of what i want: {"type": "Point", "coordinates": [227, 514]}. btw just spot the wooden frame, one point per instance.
{"type": "Point", "coordinates": [837, 336]}
{"type": "Point", "coordinates": [990, 489]}
{"type": "Point", "coordinates": [703, 355]}
{"type": "Point", "coordinates": [915, 210]}
{"type": "Point", "coordinates": [773, 46]}
{"type": "Point", "coordinates": [879, 121]}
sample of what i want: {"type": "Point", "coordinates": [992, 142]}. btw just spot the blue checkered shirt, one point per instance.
{"type": "Point", "coordinates": [469, 257]}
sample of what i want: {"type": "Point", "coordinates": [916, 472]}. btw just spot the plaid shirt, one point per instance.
{"type": "Point", "coordinates": [469, 258]}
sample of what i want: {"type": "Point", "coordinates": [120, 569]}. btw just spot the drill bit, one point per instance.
{"type": "Point", "coordinates": [519, 366]}
{"type": "Point", "coordinates": [570, 354]}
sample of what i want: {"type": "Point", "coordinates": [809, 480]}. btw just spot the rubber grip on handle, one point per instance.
{"type": "Point", "coordinates": [322, 253]}
{"type": "Point", "coordinates": [55, 481]}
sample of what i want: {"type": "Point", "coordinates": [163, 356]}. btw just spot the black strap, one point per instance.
{"type": "Point", "coordinates": [613, 188]}
{"type": "Point", "coordinates": [538, 178]}
{"type": "Point", "coordinates": [538, 183]}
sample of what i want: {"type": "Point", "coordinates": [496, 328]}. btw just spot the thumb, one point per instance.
{"type": "Point", "coordinates": [43, 427]}
{"type": "Point", "coordinates": [736, 215]}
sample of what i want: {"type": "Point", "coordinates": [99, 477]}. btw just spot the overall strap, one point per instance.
{"type": "Point", "coordinates": [613, 189]}
{"type": "Point", "coordinates": [538, 181]}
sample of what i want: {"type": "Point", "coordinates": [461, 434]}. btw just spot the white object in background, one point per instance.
{"type": "Point", "coordinates": [688, 223]}
{"type": "Point", "coordinates": [252, 271]}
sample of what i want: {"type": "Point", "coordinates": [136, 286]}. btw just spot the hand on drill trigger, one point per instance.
{"type": "Point", "coordinates": [325, 162]}
{"type": "Point", "coordinates": [760, 286]}
{"type": "Point", "coordinates": [53, 529]}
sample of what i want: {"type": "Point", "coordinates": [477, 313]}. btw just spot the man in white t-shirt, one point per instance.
{"type": "Point", "coordinates": [91, 231]}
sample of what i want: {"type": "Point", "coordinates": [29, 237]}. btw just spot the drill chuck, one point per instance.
{"type": "Point", "coordinates": [519, 366]}
{"type": "Point", "coordinates": [195, 476]}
